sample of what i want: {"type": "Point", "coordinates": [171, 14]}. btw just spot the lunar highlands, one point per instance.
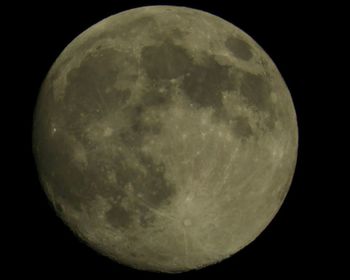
{"type": "Point", "coordinates": [165, 138]}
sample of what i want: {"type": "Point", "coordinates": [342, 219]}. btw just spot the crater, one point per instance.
{"type": "Point", "coordinates": [58, 207]}
{"type": "Point", "coordinates": [239, 48]}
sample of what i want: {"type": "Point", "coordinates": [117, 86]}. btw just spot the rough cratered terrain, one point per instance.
{"type": "Point", "coordinates": [165, 138]}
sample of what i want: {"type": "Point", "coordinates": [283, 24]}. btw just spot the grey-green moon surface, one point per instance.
{"type": "Point", "coordinates": [165, 138]}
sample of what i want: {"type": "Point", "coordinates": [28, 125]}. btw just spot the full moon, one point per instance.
{"type": "Point", "coordinates": [165, 138]}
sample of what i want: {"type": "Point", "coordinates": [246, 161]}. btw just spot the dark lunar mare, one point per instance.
{"type": "Point", "coordinates": [102, 103]}
{"type": "Point", "coordinates": [90, 97]}
{"type": "Point", "coordinates": [203, 83]}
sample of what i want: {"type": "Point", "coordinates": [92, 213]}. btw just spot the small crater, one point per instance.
{"type": "Point", "coordinates": [58, 207]}
{"type": "Point", "coordinates": [239, 48]}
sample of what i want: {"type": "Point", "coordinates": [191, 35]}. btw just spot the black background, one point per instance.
{"type": "Point", "coordinates": [293, 34]}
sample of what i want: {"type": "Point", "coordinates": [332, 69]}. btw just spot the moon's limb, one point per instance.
{"type": "Point", "coordinates": [165, 137]}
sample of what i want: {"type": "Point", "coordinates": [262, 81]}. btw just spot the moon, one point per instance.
{"type": "Point", "coordinates": [165, 138]}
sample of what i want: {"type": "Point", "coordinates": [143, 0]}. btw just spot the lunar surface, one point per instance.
{"type": "Point", "coordinates": [165, 138]}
